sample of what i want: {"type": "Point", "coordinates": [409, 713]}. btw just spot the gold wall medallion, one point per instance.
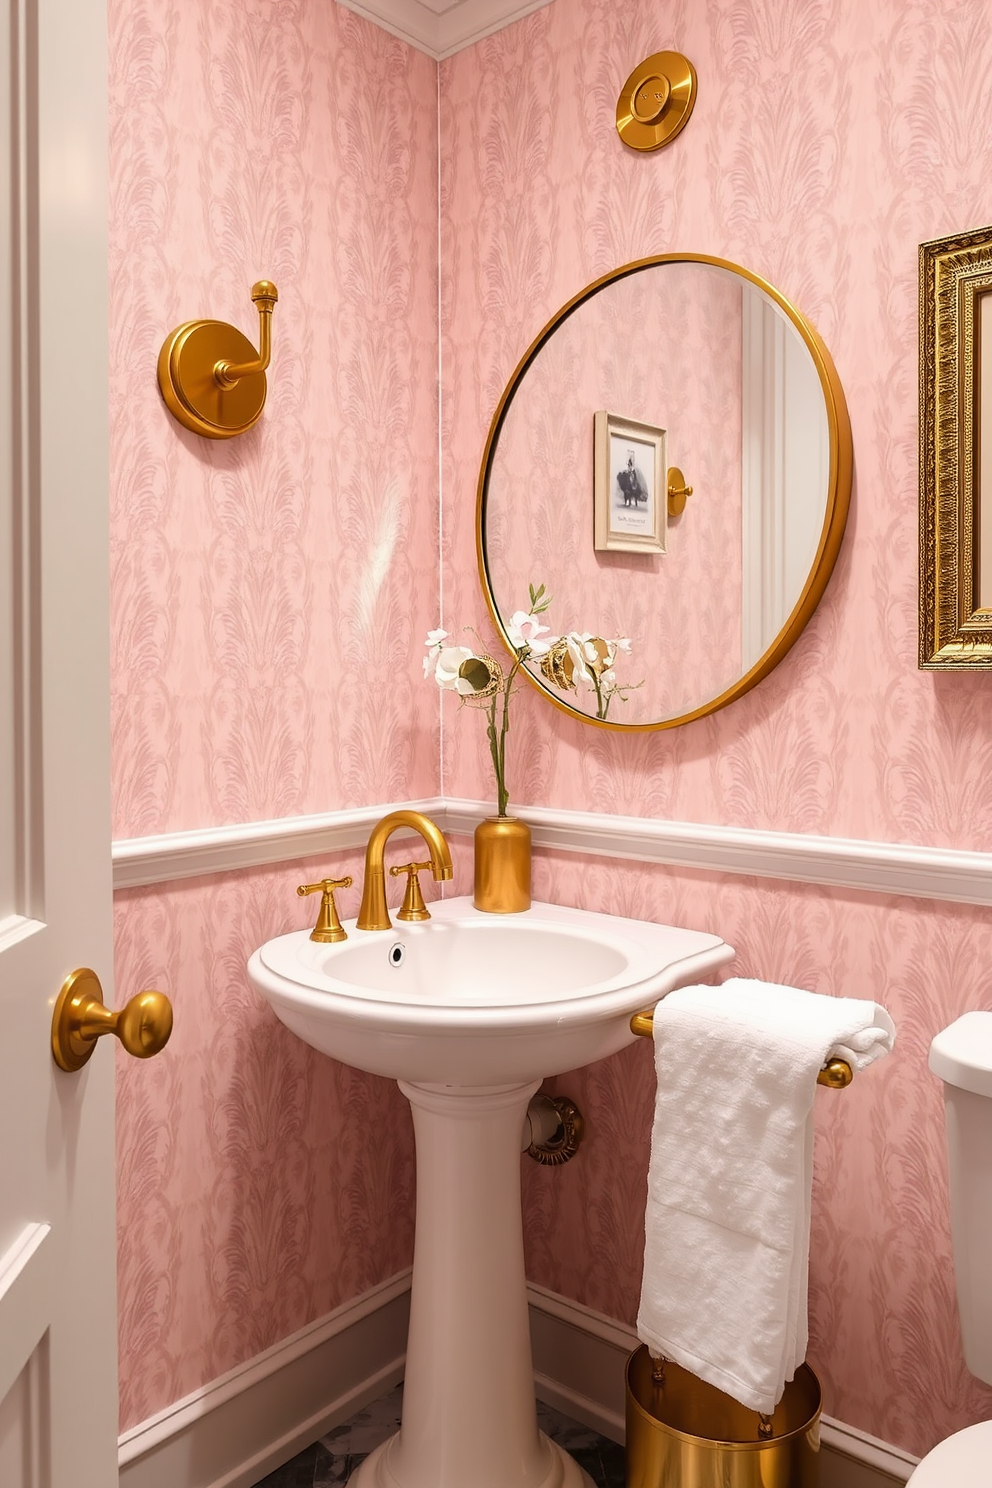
{"type": "Point", "coordinates": [955, 466]}
{"type": "Point", "coordinates": [212, 378]}
{"type": "Point", "coordinates": [656, 100]}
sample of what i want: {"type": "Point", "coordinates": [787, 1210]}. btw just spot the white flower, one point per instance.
{"type": "Point", "coordinates": [591, 657]}
{"type": "Point", "coordinates": [433, 641]}
{"type": "Point", "coordinates": [578, 650]}
{"type": "Point", "coordinates": [524, 629]}
{"type": "Point", "coordinates": [447, 673]}
{"type": "Point", "coordinates": [622, 644]}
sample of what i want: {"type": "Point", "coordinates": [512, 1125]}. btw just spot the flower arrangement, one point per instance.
{"type": "Point", "coordinates": [578, 661]}
{"type": "Point", "coordinates": [582, 662]}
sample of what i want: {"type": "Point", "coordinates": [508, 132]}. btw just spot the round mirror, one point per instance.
{"type": "Point", "coordinates": [671, 460]}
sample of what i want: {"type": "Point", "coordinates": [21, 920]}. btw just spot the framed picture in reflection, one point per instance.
{"type": "Point", "coordinates": [629, 470]}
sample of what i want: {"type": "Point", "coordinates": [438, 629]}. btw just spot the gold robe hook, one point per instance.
{"type": "Point", "coordinates": [211, 377]}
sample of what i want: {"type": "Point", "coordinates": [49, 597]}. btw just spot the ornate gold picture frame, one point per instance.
{"type": "Point", "coordinates": [955, 481]}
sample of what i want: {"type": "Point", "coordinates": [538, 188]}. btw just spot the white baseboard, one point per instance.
{"type": "Point", "coordinates": [240, 1427]}
{"type": "Point", "coordinates": [893, 868]}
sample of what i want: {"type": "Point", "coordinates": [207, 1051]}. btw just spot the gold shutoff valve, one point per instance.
{"type": "Point", "coordinates": [413, 907]}
{"type": "Point", "coordinates": [80, 1018]}
{"type": "Point", "coordinates": [328, 929]}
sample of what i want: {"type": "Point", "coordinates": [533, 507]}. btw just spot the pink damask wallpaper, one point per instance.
{"type": "Point", "coordinates": [260, 1184]}
{"type": "Point", "coordinates": [814, 157]}
{"type": "Point", "coordinates": [269, 598]}
{"type": "Point", "coordinates": [269, 591]}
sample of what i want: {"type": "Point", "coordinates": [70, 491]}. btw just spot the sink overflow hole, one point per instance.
{"type": "Point", "coordinates": [397, 954]}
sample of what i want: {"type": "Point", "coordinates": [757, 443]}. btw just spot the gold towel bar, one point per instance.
{"type": "Point", "coordinates": [837, 1074]}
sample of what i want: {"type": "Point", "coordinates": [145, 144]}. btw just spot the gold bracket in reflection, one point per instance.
{"type": "Point", "coordinates": [211, 377]}
{"type": "Point", "coordinates": [837, 1074]}
{"type": "Point", "coordinates": [678, 491]}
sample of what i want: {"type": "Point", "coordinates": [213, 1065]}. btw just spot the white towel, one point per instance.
{"type": "Point", "coordinates": [726, 1252]}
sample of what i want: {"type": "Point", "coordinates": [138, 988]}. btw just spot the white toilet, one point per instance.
{"type": "Point", "coordinates": [962, 1057]}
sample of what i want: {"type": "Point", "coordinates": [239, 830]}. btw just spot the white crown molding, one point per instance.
{"type": "Point", "coordinates": [237, 1428]}
{"type": "Point", "coordinates": [891, 868]}
{"type": "Point", "coordinates": [442, 27]}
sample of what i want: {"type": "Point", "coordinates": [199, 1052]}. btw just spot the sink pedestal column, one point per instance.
{"type": "Point", "coordinates": [469, 1415]}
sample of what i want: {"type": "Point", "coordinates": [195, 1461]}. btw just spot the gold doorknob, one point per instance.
{"type": "Point", "coordinates": [80, 1018]}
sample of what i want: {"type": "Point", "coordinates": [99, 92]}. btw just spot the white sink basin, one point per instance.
{"type": "Point", "coordinates": [471, 999]}
{"type": "Point", "coordinates": [469, 1011]}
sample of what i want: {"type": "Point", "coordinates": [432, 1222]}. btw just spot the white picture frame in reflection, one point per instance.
{"type": "Point", "coordinates": [630, 509]}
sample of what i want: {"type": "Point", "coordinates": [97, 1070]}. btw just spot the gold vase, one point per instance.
{"type": "Point", "coordinates": [502, 865]}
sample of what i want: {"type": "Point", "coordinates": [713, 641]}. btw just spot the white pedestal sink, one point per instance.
{"type": "Point", "coordinates": [469, 1012]}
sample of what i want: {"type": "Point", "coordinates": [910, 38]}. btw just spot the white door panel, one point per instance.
{"type": "Point", "coordinates": [24, 1425]}
{"type": "Point", "coordinates": [58, 1387]}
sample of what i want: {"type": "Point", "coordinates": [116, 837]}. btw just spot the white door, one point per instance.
{"type": "Point", "coordinates": [58, 1384]}
{"type": "Point", "coordinates": [785, 468]}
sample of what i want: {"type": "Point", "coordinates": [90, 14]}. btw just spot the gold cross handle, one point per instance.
{"type": "Point", "coordinates": [413, 907]}
{"type": "Point", "coordinates": [328, 928]}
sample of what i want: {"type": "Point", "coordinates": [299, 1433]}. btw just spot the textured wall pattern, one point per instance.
{"type": "Point", "coordinates": [270, 594]}
{"type": "Point", "coordinates": [269, 597]}
{"type": "Point", "coordinates": [260, 1184]}
{"type": "Point", "coordinates": [778, 170]}
{"type": "Point", "coordinates": [266, 589]}
{"type": "Point", "coordinates": [815, 158]}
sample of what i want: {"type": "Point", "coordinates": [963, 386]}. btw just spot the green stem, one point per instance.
{"type": "Point", "coordinates": [497, 747]}
{"type": "Point", "coordinates": [600, 710]}
{"type": "Point", "coordinates": [494, 749]}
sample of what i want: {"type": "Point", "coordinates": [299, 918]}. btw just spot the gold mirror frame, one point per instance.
{"type": "Point", "coordinates": [955, 273]}
{"type": "Point", "coordinates": [835, 516]}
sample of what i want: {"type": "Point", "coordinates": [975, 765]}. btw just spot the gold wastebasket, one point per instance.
{"type": "Point", "coordinates": [687, 1434]}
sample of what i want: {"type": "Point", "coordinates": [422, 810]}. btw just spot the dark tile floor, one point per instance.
{"type": "Point", "coordinates": [330, 1461]}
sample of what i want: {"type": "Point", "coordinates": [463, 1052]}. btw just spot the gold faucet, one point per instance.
{"type": "Point", "coordinates": [373, 914]}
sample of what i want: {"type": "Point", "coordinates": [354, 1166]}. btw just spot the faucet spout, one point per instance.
{"type": "Point", "coordinates": [374, 914]}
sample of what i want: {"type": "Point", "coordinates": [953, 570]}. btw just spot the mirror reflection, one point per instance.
{"type": "Point", "coordinates": [678, 366]}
